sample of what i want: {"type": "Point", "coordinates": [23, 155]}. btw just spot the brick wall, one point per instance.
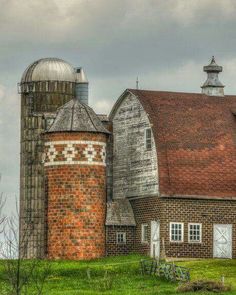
{"type": "Point", "coordinates": [76, 200]}
{"type": "Point", "coordinates": [166, 210]}
{"type": "Point", "coordinates": [112, 248]}
{"type": "Point", "coordinates": [207, 212]}
{"type": "Point", "coordinates": [145, 210]}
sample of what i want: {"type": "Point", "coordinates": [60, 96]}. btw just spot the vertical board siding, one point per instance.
{"type": "Point", "coordinates": [134, 167]}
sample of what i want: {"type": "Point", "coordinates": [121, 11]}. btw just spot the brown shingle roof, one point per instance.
{"type": "Point", "coordinates": [195, 136]}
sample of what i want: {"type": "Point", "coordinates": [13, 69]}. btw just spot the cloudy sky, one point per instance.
{"type": "Point", "coordinates": [164, 42]}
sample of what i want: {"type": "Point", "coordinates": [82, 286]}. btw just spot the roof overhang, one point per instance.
{"type": "Point", "coordinates": [200, 197]}
{"type": "Point", "coordinates": [118, 103]}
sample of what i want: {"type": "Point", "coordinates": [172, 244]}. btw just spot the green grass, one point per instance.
{"type": "Point", "coordinates": [70, 277]}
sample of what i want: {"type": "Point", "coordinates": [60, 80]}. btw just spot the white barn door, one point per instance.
{"type": "Point", "coordinates": [222, 241]}
{"type": "Point", "coordinates": [155, 239]}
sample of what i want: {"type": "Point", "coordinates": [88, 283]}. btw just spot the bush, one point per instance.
{"type": "Point", "coordinates": [202, 285]}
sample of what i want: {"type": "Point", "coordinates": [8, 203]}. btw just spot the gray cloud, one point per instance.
{"type": "Point", "coordinates": [164, 42]}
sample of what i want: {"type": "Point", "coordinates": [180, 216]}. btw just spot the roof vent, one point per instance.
{"type": "Point", "coordinates": [213, 86]}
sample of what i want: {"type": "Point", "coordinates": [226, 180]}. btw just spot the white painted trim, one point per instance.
{"type": "Point", "coordinates": [75, 142]}
{"type": "Point", "coordinates": [155, 244]}
{"type": "Point", "coordinates": [143, 225]}
{"type": "Point", "coordinates": [231, 242]}
{"type": "Point", "coordinates": [194, 242]}
{"type": "Point", "coordinates": [73, 163]}
{"type": "Point", "coordinates": [182, 233]}
{"type": "Point", "coordinates": [123, 233]}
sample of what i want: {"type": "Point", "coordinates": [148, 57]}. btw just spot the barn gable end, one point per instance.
{"type": "Point", "coordinates": [135, 168]}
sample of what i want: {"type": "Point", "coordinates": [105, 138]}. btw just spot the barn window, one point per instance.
{"type": "Point", "coordinates": [121, 238]}
{"type": "Point", "coordinates": [148, 138]}
{"type": "Point", "coordinates": [176, 232]}
{"type": "Point", "coordinates": [144, 233]}
{"type": "Point", "coordinates": [194, 233]}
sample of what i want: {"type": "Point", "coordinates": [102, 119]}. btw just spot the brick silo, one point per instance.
{"type": "Point", "coordinates": [46, 85]}
{"type": "Point", "coordinates": [75, 170]}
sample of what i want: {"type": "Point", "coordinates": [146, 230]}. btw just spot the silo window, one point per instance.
{"type": "Point", "coordinates": [148, 138]}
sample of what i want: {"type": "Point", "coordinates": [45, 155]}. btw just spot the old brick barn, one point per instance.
{"type": "Point", "coordinates": [158, 176]}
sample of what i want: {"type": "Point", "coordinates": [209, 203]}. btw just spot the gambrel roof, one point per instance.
{"type": "Point", "coordinates": [195, 136]}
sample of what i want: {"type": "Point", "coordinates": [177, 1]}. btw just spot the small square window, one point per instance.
{"type": "Point", "coordinates": [194, 233]}
{"type": "Point", "coordinates": [176, 232]}
{"type": "Point", "coordinates": [121, 238]}
{"type": "Point", "coordinates": [144, 233]}
{"type": "Point", "coordinates": [148, 138]}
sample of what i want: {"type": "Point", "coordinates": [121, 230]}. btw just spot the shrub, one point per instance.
{"type": "Point", "coordinates": [202, 285]}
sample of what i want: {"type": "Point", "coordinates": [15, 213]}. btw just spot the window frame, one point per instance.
{"type": "Point", "coordinates": [182, 232]}
{"type": "Point", "coordinates": [143, 226]}
{"type": "Point", "coordinates": [119, 233]}
{"type": "Point", "coordinates": [200, 233]}
{"type": "Point", "coordinates": [145, 138]}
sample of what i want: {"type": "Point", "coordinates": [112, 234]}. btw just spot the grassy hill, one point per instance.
{"type": "Point", "coordinates": [121, 275]}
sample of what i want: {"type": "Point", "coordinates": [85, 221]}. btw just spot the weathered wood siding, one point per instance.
{"type": "Point", "coordinates": [134, 167]}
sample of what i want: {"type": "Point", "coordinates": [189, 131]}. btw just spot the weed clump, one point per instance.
{"type": "Point", "coordinates": [100, 283]}
{"type": "Point", "coordinates": [204, 285]}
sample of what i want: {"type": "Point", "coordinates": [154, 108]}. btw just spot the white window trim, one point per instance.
{"type": "Point", "coordinates": [145, 139]}
{"type": "Point", "coordinates": [182, 233]}
{"type": "Point", "coordinates": [194, 242]}
{"type": "Point", "coordinates": [120, 243]}
{"type": "Point", "coordinates": [143, 225]}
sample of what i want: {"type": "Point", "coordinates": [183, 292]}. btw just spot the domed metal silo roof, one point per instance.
{"type": "Point", "coordinates": [49, 69]}
{"type": "Point", "coordinates": [77, 116]}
